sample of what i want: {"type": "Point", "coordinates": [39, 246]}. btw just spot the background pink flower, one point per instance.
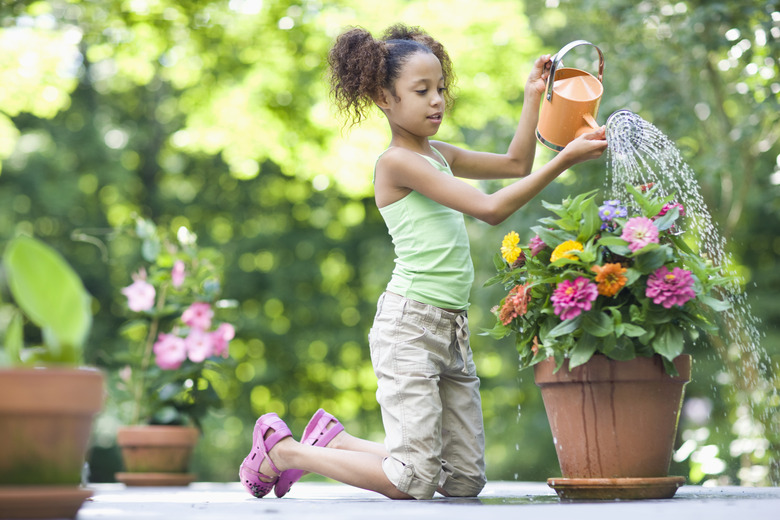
{"type": "Point", "coordinates": [638, 232]}
{"type": "Point", "coordinates": [198, 315]}
{"type": "Point", "coordinates": [221, 337]}
{"type": "Point", "coordinates": [140, 295]}
{"type": "Point", "coordinates": [199, 345]}
{"type": "Point", "coordinates": [177, 274]}
{"type": "Point", "coordinates": [170, 351]}
{"type": "Point", "coordinates": [670, 288]}
{"type": "Point", "coordinates": [571, 297]}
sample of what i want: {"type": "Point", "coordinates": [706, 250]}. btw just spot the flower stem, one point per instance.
{"type": "Point", "coordinates": [147, 355]}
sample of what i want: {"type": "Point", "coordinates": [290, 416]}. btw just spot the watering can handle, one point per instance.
{"type": "Point", "coordinates": [556, 61]}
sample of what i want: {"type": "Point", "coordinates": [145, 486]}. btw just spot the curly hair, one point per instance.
{"type": "Point", "coordinates": [361, 66]}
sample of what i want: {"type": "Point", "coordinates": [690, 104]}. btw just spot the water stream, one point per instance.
{"type": "Point", "coordinates": [640, 154]}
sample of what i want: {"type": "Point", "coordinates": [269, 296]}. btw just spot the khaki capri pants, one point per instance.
{"type": "Point", "coordinates": [428, 391]}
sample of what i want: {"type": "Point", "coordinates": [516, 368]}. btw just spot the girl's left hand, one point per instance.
{"type": "Point", "coordinates": [537, 79]}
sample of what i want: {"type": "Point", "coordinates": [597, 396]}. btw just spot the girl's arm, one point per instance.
{"type": "Point", "coordinates": [400, 171]}
{"type": "Point", "coordinates": [519, 158]}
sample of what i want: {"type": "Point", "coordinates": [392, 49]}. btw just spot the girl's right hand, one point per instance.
{"type": "Point", "coordinates": [588, 146]}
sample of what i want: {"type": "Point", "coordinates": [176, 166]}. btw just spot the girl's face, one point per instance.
{"type": "Point", "coordinates": [417, 107]}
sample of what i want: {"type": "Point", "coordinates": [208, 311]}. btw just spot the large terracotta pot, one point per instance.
{"type": "Point", "coordinates": [156, 455]}
{"type": "Point", "coordinates": [613, 419]}
{"type": "Point", "coordinates": [46, 419]}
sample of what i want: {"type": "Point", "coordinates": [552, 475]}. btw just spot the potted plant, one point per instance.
{"type": "Point", "coordinates": [49, 397]}
{"type": "Point", "coordinates": [601, 302]}
{"type": "Point", "coordinates": [166, 378]}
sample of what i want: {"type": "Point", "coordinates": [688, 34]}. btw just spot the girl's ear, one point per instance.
{"type": "Point", "coordinates": [381, 97]}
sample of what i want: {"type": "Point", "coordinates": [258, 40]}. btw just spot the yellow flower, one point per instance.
{"type": "Point", "coordinates": [560, 251]}
{"type": "Point", "coordinates": [509, 248]}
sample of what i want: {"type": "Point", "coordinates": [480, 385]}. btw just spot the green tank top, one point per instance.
{"type": "Point", "coordinates": [433, 260]}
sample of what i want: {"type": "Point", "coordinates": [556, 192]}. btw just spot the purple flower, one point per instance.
{"type": "Point", "coordinates": [610, 210]}
{"type": "Point", "coordinates": [670, 288]}
{"type": "Point", "coordinates": [638, 232]}
{"type": "Point", "coordinates": [571, 297]}
{"type": "Point", "coordinates": [536, 245]}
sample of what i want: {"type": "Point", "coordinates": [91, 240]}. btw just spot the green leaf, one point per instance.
{"type": "Point", "coordinates": [565, 327]}
{"type": "Point", "coordinates": [633, 331]}
{"type": "Point", "coordinates": [667, 221]}
{"type": "Point", "coordinates": [14, 338]}
{"type": "Point", "coordinates": [51, 294]}
{"type": "Point", "coordinates": [669, 341]}
{"type": "Point", "coordinates": [591, 222]}
{"type": "Point", "coordinates": [650, 260]}
{"type": "Point", "coordinates": [714, 303]}
{"type": "Point", "coordinates": [583, 350]}
{"type": "Point", "coordinates": [551, 237]}
{"type": "Point", "coordinates": [598, 324]}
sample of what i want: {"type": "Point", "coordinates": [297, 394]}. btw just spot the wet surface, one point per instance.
{"type": "Point", "coordinates": [499, 500]}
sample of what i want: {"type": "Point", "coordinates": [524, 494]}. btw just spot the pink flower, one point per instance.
{"type": "Point", "coordinates": [221, 337]}
{"type": "Point", "coordinates": [570, 298]}
{"type": "Point", "coordinates": [669, 206]}
{"type": "Point", "coordinates": [199, 345]}
{"type": "Point", "coordinates": [670, 288]}
{"type": "Point", "coordinates": [198, 315]}
{"type": "Point", "coordinates": [537, 245]}
{"type": "Point", "coordinates": [140, 295]}
{"type": "Point", "coordinates": [638, 232]}
{"type": "Point", "coordinates": [177, 274]}
{"type": "Point", "coordinates": [170, 351]}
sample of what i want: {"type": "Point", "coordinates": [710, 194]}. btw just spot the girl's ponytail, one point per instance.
{"type": "Point", "coordinates": [361, 66]}
{"type": "Point", "coordinates": [357, 72]}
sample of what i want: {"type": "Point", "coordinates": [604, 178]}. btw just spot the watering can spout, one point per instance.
{"type": "Point", "coordinates": [571, 102]}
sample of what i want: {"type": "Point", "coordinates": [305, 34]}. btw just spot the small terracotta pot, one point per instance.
{"type": "Point", "coordinates": [45, 423]}
{"type": "Point", "coordinates": [156, 455]}
{"type": "Point", "coordinates": [46, 417]}
{"type": "Point", "coordinates": [613, 419]}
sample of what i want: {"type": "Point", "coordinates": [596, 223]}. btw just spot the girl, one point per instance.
{"type": "Point", "coordinates": [428, 389]}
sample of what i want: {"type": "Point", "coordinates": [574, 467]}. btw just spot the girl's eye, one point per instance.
{"type": "Point", "coordinates": [423, 91]}
{"type": "Point", "coordinates": [442, 90]}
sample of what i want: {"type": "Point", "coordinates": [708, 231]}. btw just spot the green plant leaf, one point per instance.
{"type": "Point", "coordinates": [583, 350]}
{"type": "Point", "coordinates": [52, 296]}
{"type": "Point", "coordinates": [565, 327]}
{"type": "Point", "coordinates": [591, 222]}
{"type": "Point", "coordinates": [669, 341]}
{"type": "Point", "coordinates": [598, 324]}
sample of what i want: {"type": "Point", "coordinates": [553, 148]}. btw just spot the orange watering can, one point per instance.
{"type": "Point", "coordinates": [571, 103]}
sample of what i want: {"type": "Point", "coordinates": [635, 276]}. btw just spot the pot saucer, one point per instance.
{"type": "Point", "coordinates": [42, 501]}
{"type": "Point", "coordinates": [155, 479]}
{"type": "Point", "coordinates": [615, 488]}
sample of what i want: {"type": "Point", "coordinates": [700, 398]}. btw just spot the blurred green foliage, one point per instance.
{"type": "Point", "coordinates": [214, 115]}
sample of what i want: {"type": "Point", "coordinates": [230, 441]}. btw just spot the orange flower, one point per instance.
{"type": "Point", "coordinates": [610, 278]}
{"type": "Point", "coordinates": [515, 304]}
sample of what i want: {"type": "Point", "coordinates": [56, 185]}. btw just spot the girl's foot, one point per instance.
{"type": "Point", "coordinates": [269, 430]}
{"type": "Point", "coordinates": [321, 430]}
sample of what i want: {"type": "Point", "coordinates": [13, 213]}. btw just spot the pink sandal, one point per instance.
{"type": "Point", "coordinates": [315, 434]}
{"type": "Point", "coordinates": [249, 472]}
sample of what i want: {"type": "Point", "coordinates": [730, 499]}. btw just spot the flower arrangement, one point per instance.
{"type": "Point", "coordinates": [176, 347]}
{"type": "Point", "coordinates": [617, 279]}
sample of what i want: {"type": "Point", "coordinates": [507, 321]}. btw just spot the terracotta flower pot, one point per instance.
{"type": "Point", "coordinates": [613, 419]}
{"type": "Point", "coordinates": [156, 455]}
{"type": "Point", "coordinates": [46, 419]}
